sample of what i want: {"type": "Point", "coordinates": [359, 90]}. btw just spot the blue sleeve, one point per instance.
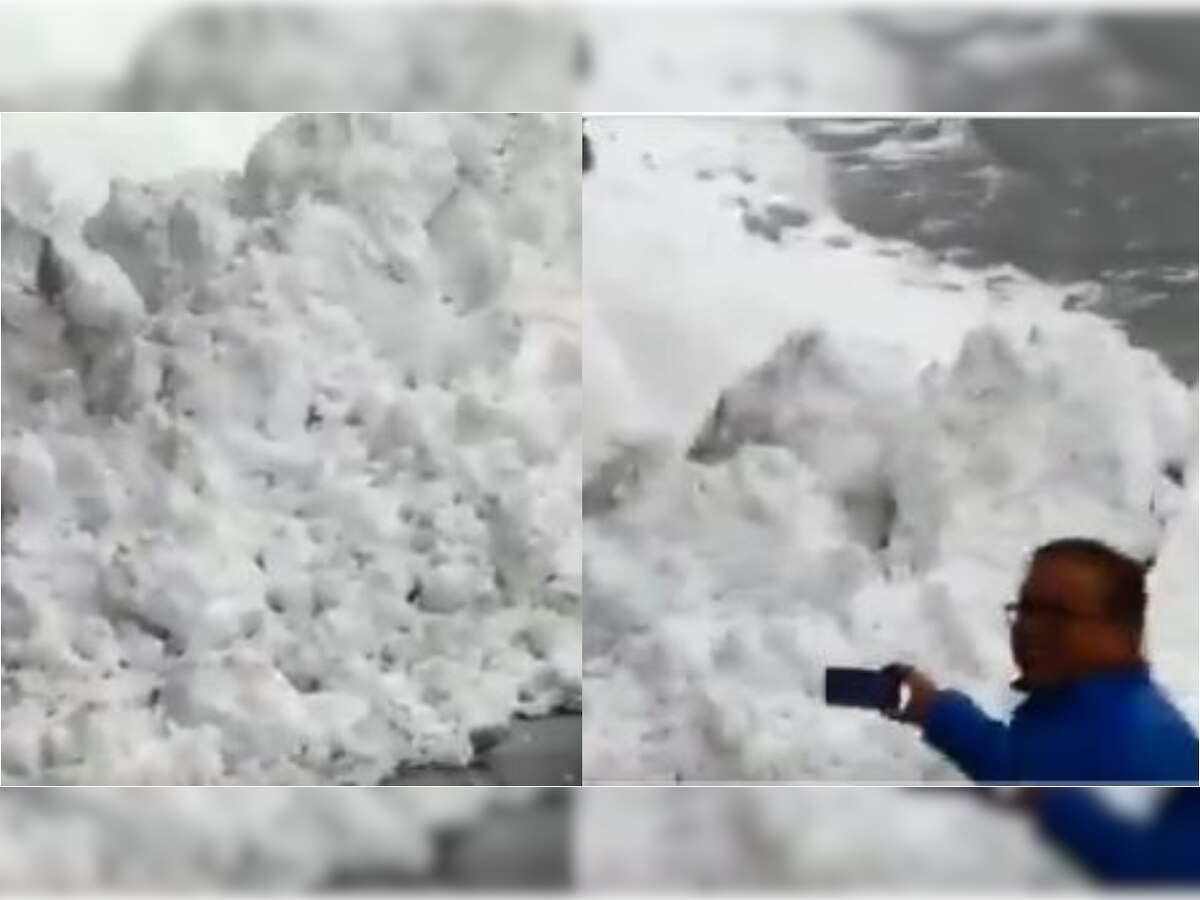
{"type": "Point", "coordinates": [1163, 750]}
{"type": "Point", "coordinates": [977, 744]}
{"type": "Point", "coordinates": [1107, 846]}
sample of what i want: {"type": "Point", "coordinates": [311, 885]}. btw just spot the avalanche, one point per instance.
{"type": "Point", "coordinates": [290, 465]}
{"type": "Point", "coordinates": [845, 459]}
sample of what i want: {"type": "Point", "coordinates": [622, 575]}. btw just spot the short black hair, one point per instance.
{"type": "Point", "coordinates": [1126, 575]}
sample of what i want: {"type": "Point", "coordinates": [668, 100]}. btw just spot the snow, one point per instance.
{"type": "Point", "coordinates": [301, 57]}
{"type": "Point", "coordinates": [291, 468]}
{"type": "Point", "coordinates": [844, 458]}
{"type": "Point", "coordinates": [36, 49]}
{"type": "Point", "coordinates": [187, 838]}
{"type": "Point", "coordinates": [756, 837]}
{"type": "Point", "coordinates": [826, 61]}
{"type": "Point", "coordinates": [704, 58]}
{"type": "Point", "coordinates": [84, 151]}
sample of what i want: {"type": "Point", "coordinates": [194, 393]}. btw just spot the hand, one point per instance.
{"type": "Point", "coordinates": [921, 692]}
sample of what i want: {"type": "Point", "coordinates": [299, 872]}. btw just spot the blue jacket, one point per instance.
{"type": "Point", "coordinates": [1109, 729]}
{"type": "Point", "coordinates": [1165, 851]}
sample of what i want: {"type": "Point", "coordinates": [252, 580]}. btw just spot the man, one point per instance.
{"type": "Point", "coordinates": [1115, 850]}
{"type": "Point", "coordinates": [1092, 714]}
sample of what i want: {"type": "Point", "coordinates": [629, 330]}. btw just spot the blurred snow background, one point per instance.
{"type": "Point", "coordinates": [291, 467]}
{"type": "Point", "coordinates": [281, 838]}
{"type": "Point", "coordinates": [187, 56]}
{"type": "Point", "coordinates": [707, 57]}
{"type": "Point", "coordinates": [39, 54]}
{"type": "Point", "coordinates": [812, 443]}
{"type": "Point", "coordinates": [757, 837]}
{"type": "Point", "coordinates": [783, 837]}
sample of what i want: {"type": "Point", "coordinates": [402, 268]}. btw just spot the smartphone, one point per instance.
{"type": "Point", "coordinates": [876, 689]}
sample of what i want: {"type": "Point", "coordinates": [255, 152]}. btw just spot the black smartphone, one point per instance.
{"type": "Point", "coordinates": [877, 689]}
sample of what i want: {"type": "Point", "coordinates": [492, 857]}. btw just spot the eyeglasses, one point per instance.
{"type": "Point", "coordinates": [1050, 613]}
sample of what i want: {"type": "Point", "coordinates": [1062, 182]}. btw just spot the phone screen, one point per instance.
{"type": "Point", "coordinates": [861, 688]}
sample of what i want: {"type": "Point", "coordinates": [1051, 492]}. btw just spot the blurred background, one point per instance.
{"type": "Point", "coordinates": [466, 839]}
{"type": "Point", "coordinates": [602, 58]}
{"type": "Point", "coordinates": [285, 838]}
{"type": "Point", "coordinates": [185, 56]}
{"type": "Point", "coordinates": [714, 58]}
{"type": "Point", "coordinates": [824, 838]}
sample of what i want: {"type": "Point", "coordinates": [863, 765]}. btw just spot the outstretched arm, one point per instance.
{"type": "Point", "coordinates": [954, 726]}
{"type": "Point", "coordinates": [976, 743]}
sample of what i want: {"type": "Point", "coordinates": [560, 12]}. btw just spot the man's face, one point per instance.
{"type": "Point", "coordinates": [1062, 628]}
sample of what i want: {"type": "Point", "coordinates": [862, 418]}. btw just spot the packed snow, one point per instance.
{"type": "Point", "coordinates": [808, 447]}
{"type": "Point", "coordinates": [291, 461]}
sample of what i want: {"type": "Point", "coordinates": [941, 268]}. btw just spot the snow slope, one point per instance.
{"type": "Point", "coordinates": [291, 467]}
{"type": "Point", "coordinates": [844, 457]}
